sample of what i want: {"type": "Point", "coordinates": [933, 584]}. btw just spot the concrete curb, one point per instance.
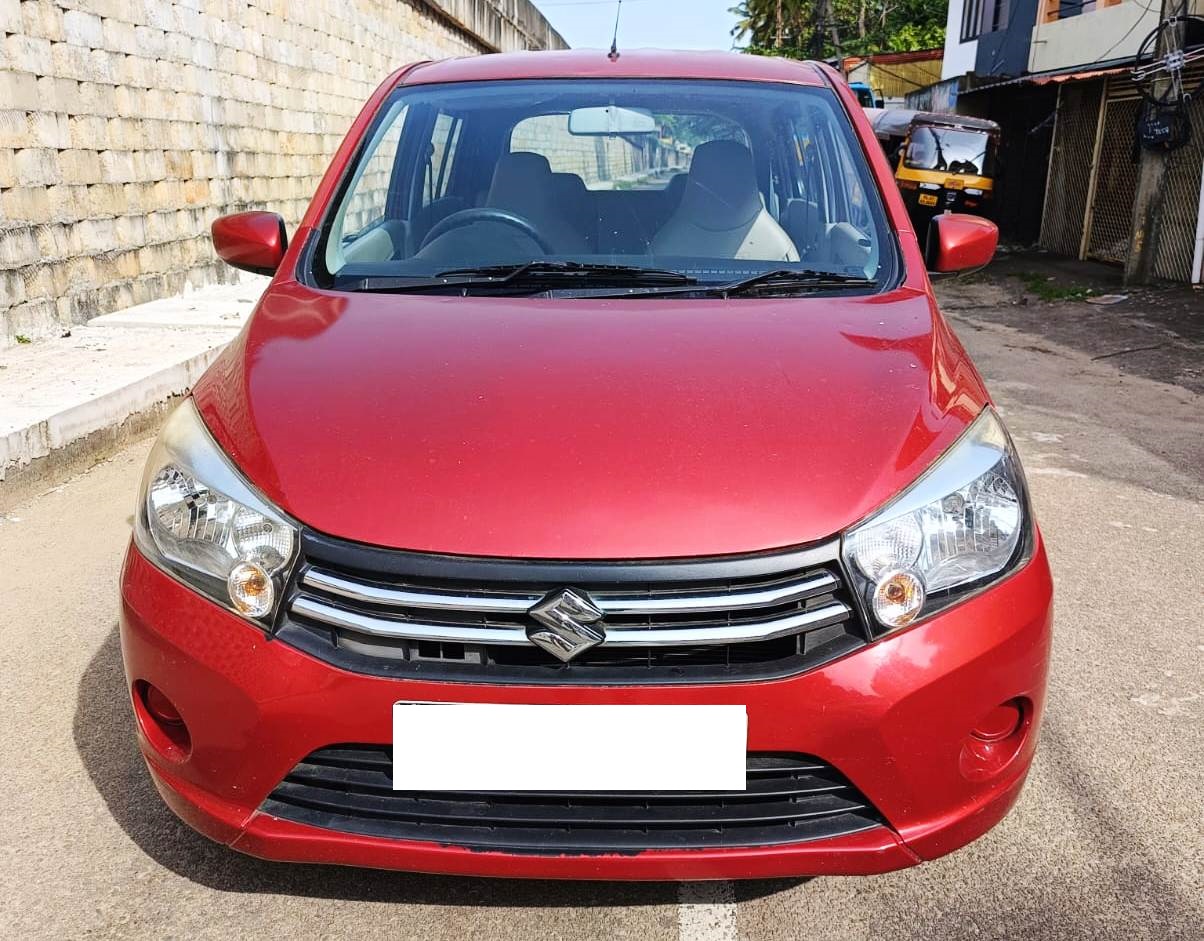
{"type": "Point", "coordinates": [66, 404]}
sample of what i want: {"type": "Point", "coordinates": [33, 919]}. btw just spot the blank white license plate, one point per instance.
{"type": "Point", "coordinates": [518, 747]}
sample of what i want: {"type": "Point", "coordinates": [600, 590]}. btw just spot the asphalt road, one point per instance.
{"type": "Point", "coordinates": [1105, 842]}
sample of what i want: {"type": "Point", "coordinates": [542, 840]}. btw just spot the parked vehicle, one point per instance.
{"type": "Point", "coordinates": [866, 96]}
{"type": "Point", "coordinates": [943, 162]}
{"type": "Point", "coordinates": [596, 492]}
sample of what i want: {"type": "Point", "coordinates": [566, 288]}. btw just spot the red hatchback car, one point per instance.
{"type": "Point", "coordinates": [596, 492]}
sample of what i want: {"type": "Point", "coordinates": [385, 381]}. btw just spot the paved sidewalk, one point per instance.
{"type": "Point", "coordinates": [66, 403]}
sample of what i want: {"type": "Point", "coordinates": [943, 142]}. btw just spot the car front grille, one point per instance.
{"type": "Point", "coordinates": [790, 798]}
{"type": "Point", "coordinates": [395, 613]}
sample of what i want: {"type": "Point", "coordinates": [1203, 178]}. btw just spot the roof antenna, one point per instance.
{"type": "Point", "coordinates": [613, 55]}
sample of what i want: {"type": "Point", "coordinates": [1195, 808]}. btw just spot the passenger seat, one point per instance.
{"type": "Point", "coordinates": [721, 213]}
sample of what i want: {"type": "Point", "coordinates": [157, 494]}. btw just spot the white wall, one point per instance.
{"type": "Point", "coordinates": [1098, 35]}
{"type": "Point", "coordinates": [959, 56]}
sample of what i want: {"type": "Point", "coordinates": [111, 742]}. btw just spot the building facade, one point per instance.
{"type": "Point", "coordinates": [1056, 74]}
{"type": "Point", "coordinates": [892, 75]}
{"type": "Point", "coordinates": [961, 40]}
{"type": "Point", "coordinates": [1074, 34]}
{"type": "Point", "coordinates": [1093, 177]}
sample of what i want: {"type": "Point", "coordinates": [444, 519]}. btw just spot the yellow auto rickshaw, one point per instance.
{"type": "Point", "coordinates": [943, 162]}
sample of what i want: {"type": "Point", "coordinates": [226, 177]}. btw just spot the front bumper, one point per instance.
{"type": "Point", "coordinates": [894, 717]}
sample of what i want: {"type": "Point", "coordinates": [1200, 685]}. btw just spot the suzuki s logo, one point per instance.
{"type": "Point", "coordinates": [569, 623]}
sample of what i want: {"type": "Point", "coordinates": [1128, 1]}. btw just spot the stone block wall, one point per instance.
{"type": "Point", "coordinates": [127, 126]}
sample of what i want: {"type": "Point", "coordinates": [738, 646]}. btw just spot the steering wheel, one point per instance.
{"type": "Point", "coordinates": [465, 217]}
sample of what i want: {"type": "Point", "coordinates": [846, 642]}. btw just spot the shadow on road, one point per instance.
{"type": "Point", "coordinates": [103, 729]}
{"type": "Point", "coordinates": [1127, 857]}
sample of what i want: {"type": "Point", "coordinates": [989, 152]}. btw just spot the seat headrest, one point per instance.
{"type": "Point", "coordinates": [571, 185]}
{"type": "Point", "coordinates": [675, 187]}
{"type": "Point", "coordinates": [721, 191]}
{"type": "Point", "coordinates": [517, 178]}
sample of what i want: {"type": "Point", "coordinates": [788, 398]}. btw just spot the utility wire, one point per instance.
{"type": "Point", "coordinates": [1146, 8]}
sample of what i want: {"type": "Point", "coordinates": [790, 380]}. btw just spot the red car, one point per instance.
{"type": "Point", "coordinates": [596, 492]}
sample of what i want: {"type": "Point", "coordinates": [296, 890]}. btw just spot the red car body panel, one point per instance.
{"type": "Point", "coordinates": [591, 429]}
{"type": "Point", "coordinates": [261, 236]}
{"type": "Point", "coordinates": [894, 717]}
{"type": "Point", "coordinates": [511, 427]}
{"type": "Point", "coordinates": [635, 63]}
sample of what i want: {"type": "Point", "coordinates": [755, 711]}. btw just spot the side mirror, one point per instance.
{"type": "Point", "coordinates": [252, 241]}
{"type": "Point", "coordinates": [959, 242]}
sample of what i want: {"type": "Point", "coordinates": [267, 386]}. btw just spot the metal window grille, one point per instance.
{"type": "Point", "coordinates": [1110, 223]}
{"type": "Point", "coordinates": [1093, 175]}
{"type": "Point", "coordinates": [971, 20]}
{"type": "Point", "coordinates": [1070, 164]}
{"type": "Point", "coordinates": [1181, 208]}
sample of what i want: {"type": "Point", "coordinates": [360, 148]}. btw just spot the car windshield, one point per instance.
{"type": "Point", "coordinates": [949, 150]}
{"type": "Point", "coordinates": [616, 183]}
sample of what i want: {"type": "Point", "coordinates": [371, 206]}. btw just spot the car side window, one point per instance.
{"type": "Point", "coordinates": [369, 195]}
{"type": "Point", "coordinates": [357, 230]}
{"type": "Point", "coordinates": [445, 137]}
{"type": "Point", "coordinates": [858, 210]}
{"type": "Point", "coordinates": [840, 227]}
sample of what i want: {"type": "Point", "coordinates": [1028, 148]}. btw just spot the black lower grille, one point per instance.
{"type": "Point", "coordinates": [790, 799]}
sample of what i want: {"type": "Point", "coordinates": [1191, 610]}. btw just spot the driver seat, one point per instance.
{"type": "Point", "coordinates": [721, 214]}
{"type": "Point", "coordinates": [524, 185]}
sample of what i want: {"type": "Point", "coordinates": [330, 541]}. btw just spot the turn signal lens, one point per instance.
{"type": "Point", "coordinates": [898, 598]}
{"type": "Point", "coordinates": [251, 589]}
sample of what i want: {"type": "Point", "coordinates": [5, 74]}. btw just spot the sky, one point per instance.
{"type": "Point", "coordinates": [664, 24]}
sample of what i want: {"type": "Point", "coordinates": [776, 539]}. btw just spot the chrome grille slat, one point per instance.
{"type": "Point", "coordinates": [742, 633]}
{"type": "Point", "coordinates": [398, 613]}
{"type": "Point", "coordinates": [609, 602]}
{"type": "Point", "coordinates": [431, 600]}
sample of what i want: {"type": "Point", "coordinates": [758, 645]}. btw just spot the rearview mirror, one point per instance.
{"type": "Point", "coordinates": [960, 242]}
{"type": "Point", "coordinates": [252, 241]}
{"type": "Point", "coordinates": [610, 121]}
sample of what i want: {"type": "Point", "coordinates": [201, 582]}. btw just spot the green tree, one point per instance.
{"type": "Point", "coordinates": [827, 28]}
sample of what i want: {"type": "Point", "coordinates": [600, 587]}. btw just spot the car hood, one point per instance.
{"type": "Point", "coordinates": [586, 429]}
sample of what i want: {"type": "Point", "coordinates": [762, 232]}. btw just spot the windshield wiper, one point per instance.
{"type": "Point", "coordinates": [574, 271]}
{"type": "Point", "coordinates": [789, 279]}
{"type": "Point", "coordinates": [642, 282]}
{"type": "Point", "coordinates": [532, 272]}
{"type": "Point", "coordinates": [778, 280]}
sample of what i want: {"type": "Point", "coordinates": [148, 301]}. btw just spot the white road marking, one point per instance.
{"type": "Point", "coordinates": [1053, 472]}
{"type": "Point", "coordinates": [706, 911]}
{"type": "Point", "coordinates": [1170, 706]}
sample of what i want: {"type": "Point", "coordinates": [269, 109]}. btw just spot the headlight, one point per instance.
{"type": "Point", "coordinates": [201, 522]}
{"type": "Point", "coordinates": [963, 524]}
